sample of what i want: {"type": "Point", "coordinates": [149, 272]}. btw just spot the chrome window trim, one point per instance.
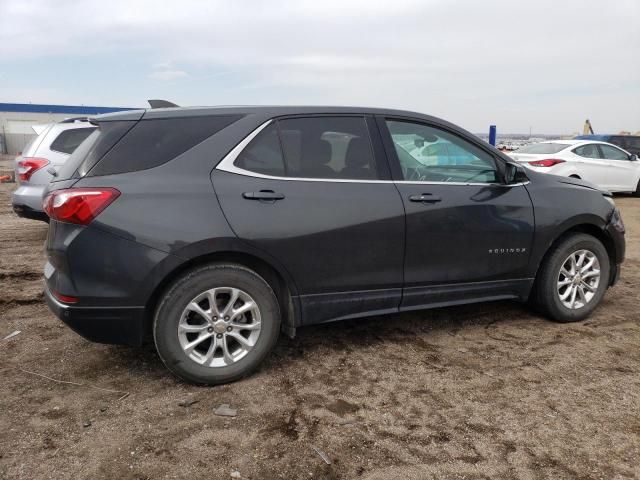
{"type": "Point", "coordinates": [226, 165]}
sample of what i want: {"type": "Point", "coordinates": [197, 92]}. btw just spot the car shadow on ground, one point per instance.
{"type": "Point", "coordinates": [348, 335]}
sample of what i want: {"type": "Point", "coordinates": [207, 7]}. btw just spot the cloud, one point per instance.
{"type": "Point", "coordinates": [168, 75]}
{"type": "Point", "coordinates": [548, 64]}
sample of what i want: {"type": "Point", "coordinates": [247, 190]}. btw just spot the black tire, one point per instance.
{"type": "Point", "coordinates": [545, 293]}
{"type": "Point", "coordinates": [637, 192]}
{"type": "Point", "coordinates": [186, 288]}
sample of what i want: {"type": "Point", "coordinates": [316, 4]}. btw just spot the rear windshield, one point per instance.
{"type": "Point", "coordinates": [543, 148]}
{"type": "Point", "coordinates": [69, 140]}
{"type": "Point", "coordinates": [99, 142]}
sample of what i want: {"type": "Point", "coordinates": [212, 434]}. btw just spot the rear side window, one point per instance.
{"type": "Point", "coordinates": [327, 147]}
{"type": "Point", "coordinates": [70, 139]}
{"type": "Point", "coordinates": [315, 147]}
{"type": "Point", "coordinates": [151, 143]}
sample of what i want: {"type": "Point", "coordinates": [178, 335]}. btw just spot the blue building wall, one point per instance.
{"type": "Point", "coordinates": [70, 109]}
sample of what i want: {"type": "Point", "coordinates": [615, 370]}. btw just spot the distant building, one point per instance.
{"type": "Point", "coordinates": [16, 120]}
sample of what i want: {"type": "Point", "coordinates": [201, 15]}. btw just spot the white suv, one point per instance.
{"type": "Point", "coordinates": [41, 159]}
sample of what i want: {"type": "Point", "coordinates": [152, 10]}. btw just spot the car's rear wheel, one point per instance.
{"type": "Point", "coordinates": [573, 279]}
{"type": "Point", "coordinates": [216, 324]}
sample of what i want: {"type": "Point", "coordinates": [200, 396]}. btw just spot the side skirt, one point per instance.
{"type": "Point", "coordinates": [331, 307]}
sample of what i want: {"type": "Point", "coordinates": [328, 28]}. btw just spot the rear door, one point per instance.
{"type": "Point", "coordinates": [315, 194]}
{"type": "Point", "coordinates": [468, 236]}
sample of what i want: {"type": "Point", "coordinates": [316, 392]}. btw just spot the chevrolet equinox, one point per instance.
{"type": "Point", "coordinates": [213, 229]}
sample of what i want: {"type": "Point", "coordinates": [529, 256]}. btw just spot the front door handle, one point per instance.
{"type": "Point", "coordinates": [268, 195]}
{"type": "Point", "coordinates": [425, 198]}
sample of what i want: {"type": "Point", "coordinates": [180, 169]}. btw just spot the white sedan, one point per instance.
{"type": "Point", "coordinates": [605, 165]}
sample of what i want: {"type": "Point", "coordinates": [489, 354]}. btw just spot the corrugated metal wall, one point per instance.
{"type": "Point", "coordinates": [15, 128]}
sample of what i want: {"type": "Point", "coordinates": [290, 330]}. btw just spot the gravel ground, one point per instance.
{"type": "Point", "coordinates": [486, 391]}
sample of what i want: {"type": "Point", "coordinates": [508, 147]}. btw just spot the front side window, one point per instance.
{"type": "Point", "coordinates": [429, 154]}
{"type": "Point", "coordinates": [313, 147]}
{"type": "Point", "coordinates": [612, 153]}
{"type": "Point", "coordinates": [69, 140]}
{"type": "Point", "coordinates": [588, 151]}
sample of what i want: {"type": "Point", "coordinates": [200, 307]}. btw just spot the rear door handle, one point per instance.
{"type": "Point", "coordinates": [425, 198]}
{"type": "Point", "coordinates": [268, 195]}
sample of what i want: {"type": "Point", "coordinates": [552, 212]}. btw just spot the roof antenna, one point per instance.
{"type": "Point", "coordinates": [161, 104]}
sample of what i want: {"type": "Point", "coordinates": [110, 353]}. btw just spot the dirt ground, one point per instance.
{"type": "Point", "coordinates": [487, 391]}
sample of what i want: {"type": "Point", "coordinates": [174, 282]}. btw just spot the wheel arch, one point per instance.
{"type": "Point", "coordinates": [586, 228]}
{"type": "Point", "coordinates": [282, 286]}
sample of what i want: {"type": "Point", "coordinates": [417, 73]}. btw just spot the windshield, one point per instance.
{"type": "Point", "coordinates": [543, 148]}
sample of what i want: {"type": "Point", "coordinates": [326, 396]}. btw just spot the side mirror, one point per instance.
{"type": "Point", "coordinates": [633, 157]}
{"type": "Point", "coordinates": [514, 173]}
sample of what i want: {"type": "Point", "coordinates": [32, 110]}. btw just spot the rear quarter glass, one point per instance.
{"type": "Point", "coordinates": [151, 143]}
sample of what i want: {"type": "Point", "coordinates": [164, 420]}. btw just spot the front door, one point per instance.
{"type": "Point", "coordinates": [468, 235]}
{"type": "Point", "coordinates": [311, 193]}
{"type": "Point", "coordinates": [621, 171]}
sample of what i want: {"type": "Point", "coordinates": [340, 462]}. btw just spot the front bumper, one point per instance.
{"type": "Point", "coordinates": [615, 230]}
{"type": "Point", "coordinates": [115, 325]}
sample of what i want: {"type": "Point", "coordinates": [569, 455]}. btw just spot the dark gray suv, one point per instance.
{"type": "Point", "coordinates": [214, 229]}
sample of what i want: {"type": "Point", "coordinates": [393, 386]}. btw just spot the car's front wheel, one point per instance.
{"type": "Point", "coordinates": [216, 324]}
{"type": "Point", "coordinates": [573, 278]}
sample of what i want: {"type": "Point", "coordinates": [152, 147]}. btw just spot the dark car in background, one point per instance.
{"type": "Point", "coordinates": [213, 229]}
{"type": "Point", "coordinates": [630, 143]}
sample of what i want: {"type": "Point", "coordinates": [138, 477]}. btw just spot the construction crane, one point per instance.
{"type": "Point", "coordinates": [587, 129]}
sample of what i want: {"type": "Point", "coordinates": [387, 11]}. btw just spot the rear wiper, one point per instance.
{"type": "Point", "coordinates": [52, 171]}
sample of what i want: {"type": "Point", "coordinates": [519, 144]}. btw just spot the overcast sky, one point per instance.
{"type": "Point", "coordinates": [544, 64]}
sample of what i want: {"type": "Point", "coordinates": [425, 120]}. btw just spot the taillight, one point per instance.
{"type": "Point", "coordinates": [65, 298]}
{"type": "Point", "coordinates": [547, 162]}
{"type": "Point", "coordinates": [29, 165]}
{"type": "Point", "coordinates": [78, 205]}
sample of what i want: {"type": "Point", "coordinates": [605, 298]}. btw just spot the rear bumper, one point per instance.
{"type": "Point", "coordinates": [28, 212]}
{"type": "Point", "coordinates": [115, 325]}
{"type": "Point", "coordinates": [29, 196]}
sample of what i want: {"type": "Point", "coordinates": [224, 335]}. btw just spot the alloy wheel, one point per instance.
{"type": "Point", "coordinates": [219, 326]}
{"type": "Point", "coordinates": [578, 279]}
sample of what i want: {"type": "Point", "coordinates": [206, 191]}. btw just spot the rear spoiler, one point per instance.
{"type": "Point", "coordinates": [161, 104]}
{"type": "Point", "coordinates": [40, 128]}
{"type": "Point", "coordinates": [75, 119]}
